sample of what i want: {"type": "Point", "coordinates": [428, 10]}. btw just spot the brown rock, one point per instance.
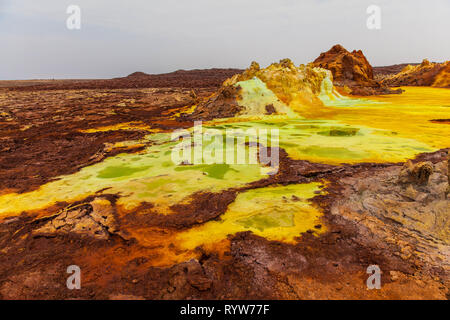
{"type": "Point", "coordinates": [270, 109]}
{"type": "Point", "coordinates": [222, 105]}
{"type": "Point", "coordinates": [93, 219]}
{"type": "Point", "coordinates": [351, 70]}
{"type": "Point", "coordinates": [394, 275]}
{"type": "Point", "coordinates": [424, 74]}
{"type": "Point", "coordinates": [416, 173]}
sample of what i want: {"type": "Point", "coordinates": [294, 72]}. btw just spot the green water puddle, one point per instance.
{"type": "Point", "coordinates": [277, 213]}
{"type": "Point", "coordinates": [152, 176]}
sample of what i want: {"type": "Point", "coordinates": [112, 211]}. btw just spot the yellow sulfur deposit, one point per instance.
{"type": "Point", "coordinates": [279, 213]}
{"type": "Point", "coordinates": [296, 87]}
{"type": "Point", "coordinates": [131, 126]}
{"type": "Point", "coordinates": [151, 176]}
{"type": "Point", "coordinates": [407, 115]}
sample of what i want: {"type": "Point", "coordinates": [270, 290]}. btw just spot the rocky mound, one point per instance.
{"type": "Point", "coordinates": [442, 80]}
{"type": "Point", "coordinates": [414, 198]}
{"type": "Point", "coordinates": [94, 219]}
{"type": "Point", "coordinates": [281, 88]}
{"type": "Point", "coordinates": [137, 74]}
{"type": "Point", "coordinates": [351, 71]}
{"type": "Point", "coordinates": [383, 72]}
{"type": "Point", "coordinates": [424, 74]}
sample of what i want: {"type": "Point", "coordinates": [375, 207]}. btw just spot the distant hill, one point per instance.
{"type": "Point", "coordinates": [199, 78]}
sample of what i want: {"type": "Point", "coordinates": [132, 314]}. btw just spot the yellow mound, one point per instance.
{"type": "Point", "coordinates": [296, 87]}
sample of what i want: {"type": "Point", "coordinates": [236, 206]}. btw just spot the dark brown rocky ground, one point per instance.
{"type": "Point", "coordinates": [201, 78]}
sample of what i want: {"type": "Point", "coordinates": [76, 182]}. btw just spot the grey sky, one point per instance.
{"type": "Point", "coordinates": [155, 36]}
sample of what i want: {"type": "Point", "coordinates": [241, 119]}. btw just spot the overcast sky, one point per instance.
{"type": "Point", "coordinates": [119, 37]}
